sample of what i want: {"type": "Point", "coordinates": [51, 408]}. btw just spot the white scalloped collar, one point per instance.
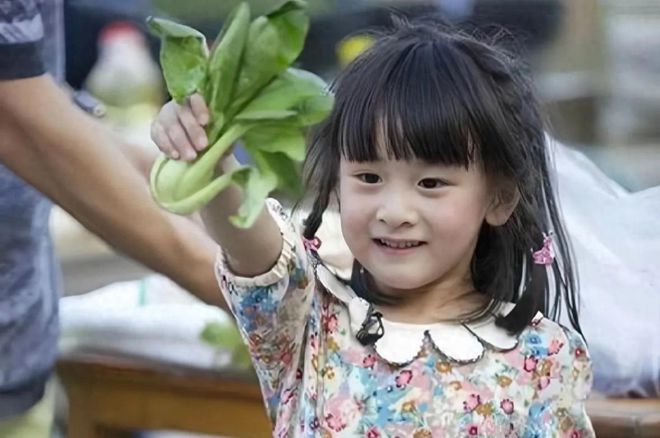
{"type": "Point", "coordinates": [401, 343]}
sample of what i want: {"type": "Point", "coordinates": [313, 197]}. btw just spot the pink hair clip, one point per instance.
{"type": "Point", "coordinates": [312, 244]}
{"type": "Point", "coordinates": [545, 255]}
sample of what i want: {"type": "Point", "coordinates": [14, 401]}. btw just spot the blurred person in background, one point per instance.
{"type": "Point", "coordinates": [51, 151]}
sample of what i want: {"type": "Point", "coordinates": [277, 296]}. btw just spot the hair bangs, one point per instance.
{"type": "Point", "coordinates": [403, 105]}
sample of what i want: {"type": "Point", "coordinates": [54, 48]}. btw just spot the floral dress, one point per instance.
{"type": "Point", "coordinates": [438, 380]}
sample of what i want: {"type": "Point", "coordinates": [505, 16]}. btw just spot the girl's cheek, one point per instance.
{"type": "Point", "coordinates": [351, 199]}
{"type": "Point", "coordinates": [352, 218]}
{"type": "Point", "coordinates": [456, 221]}
{"type": "Point", "coordinates": [354, 221]}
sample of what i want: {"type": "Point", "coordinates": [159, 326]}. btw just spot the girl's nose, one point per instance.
{"type": "Point", "coordinates": [394, 212]}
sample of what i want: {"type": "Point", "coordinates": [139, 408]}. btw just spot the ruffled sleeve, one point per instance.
{"type": "Point", "coordinates": [272, 309]}
{"type": "Point", "coordinates": [563, 414]}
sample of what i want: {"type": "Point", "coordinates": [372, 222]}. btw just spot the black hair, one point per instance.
{"type": "Point", "coordinates": [424, 90]}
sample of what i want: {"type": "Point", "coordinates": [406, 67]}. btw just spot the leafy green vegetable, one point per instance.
{"type": "Point", "coordinates": [277, 137]}
{"type": "Point", "coordinates": [227, 337]}
{"type": "Point", "coordinates": [225, 62]}
{"type": "Point", "coordinates": [256, 183]}
{"type": "Point", "coordinates": [184, 53]}
{"type": "Point", "coordinates": [254, 95]}
{"type": "Point", "coordinates": [287, 91]}
{"type": "Point", "coordinates": [274, 42]}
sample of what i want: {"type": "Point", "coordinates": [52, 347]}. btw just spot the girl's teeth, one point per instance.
{"type": "Point", "coordinates": [398, 245]}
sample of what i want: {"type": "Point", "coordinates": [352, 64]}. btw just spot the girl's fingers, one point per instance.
{"type": "Point", "coordinates": [199, 109]}
{"type": "Point", "coordinates": [191, 126]}
{"type": "Point", "coordinates": [160, 137]}
{"type": "Point", "coordinates": [180, 142]}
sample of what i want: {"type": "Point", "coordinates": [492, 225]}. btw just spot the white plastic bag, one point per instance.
{"type": "Point", "coordinates": [152, 318]}
{"type": "Point", "coordinates": [616, 239]}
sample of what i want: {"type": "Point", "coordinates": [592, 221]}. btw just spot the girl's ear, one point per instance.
{"type": "Point", "coordinates": [503, 204]}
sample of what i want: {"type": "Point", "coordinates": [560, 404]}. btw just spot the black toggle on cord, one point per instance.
{"type": "Point", "coordinates": [372, 327]}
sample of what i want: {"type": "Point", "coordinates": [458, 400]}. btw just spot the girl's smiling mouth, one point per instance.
{"type": "Point", "coordinates": [398, 246]}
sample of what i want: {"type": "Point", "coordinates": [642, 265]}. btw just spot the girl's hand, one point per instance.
{"type": "Point", "coordinates": [178, 130]}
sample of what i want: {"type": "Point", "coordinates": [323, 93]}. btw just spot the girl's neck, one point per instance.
{"type": "Point", "coordinates": [435, 303]}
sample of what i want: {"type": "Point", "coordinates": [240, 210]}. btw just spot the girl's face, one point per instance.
{"type": "Point", "coordinates": [412, 224]}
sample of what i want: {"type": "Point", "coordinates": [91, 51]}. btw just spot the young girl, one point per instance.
{"type": "Point", "coordinates": [435, 156]}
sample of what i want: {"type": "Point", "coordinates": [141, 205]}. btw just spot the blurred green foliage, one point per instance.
{"type": "Point", "coordinates": [217, 10]}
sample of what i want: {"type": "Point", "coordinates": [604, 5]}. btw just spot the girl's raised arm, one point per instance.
{"type": "Point", "coordinates": [178, 132]}
{"type": "Point", "coordinates": [248, 252]}
{"type": "Point", "coordinates": [264, 272]}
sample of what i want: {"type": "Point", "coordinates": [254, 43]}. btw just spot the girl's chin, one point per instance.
{"type": "Point", "coordinates": [398, 285]}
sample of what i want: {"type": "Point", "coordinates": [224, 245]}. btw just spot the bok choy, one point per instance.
{"type": "Point", "coordinates": [254, 96]}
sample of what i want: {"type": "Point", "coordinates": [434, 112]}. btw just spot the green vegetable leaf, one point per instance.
{"type": "Point", "coordinates": [314, 109]}
{"type": "Point", "coordinates": [285, 138]}
{"type": "Point", "coordinates": [183, 57]}
{"type": "Point", "coordinates": [221, 335]}
{"type": "Point", "coordinates": [257, 183]}
{"type": "Point", "coordinates": [225, 62]}
{"type": "Point", "coordinates": [285, 92]}
{"type": "Point", "coordinates": [227, 337]}
{"type": "Point", "coordinates": [272, 170]}
{"type": "Point", "coordinates": [241, 358]}
{"type": "Point", "coordinates": [274, 42]}
{"type": "Point", "coordinates": [266, 115]}
{"type": "Point", "coordinates": [287, 171]}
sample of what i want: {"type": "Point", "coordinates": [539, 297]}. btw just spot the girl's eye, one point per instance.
{"type": "Point", "coordinates": [431, 183]}
{"type": "Point", "coordinates": [369, 178]}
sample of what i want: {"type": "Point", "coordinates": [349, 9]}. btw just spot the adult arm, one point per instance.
{"type": "Point", "coordinates": [76, 162]}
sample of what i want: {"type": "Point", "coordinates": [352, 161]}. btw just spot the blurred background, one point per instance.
{"type": "Point", "coordinates": [595, 60]}
{"type": "Point", "coordinates": [596, 65]}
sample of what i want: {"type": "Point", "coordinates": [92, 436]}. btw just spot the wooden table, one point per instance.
{"type": "Point", "coordinates": [110, 396]}
{"type": "Point", "coordinates": [625, 418]}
